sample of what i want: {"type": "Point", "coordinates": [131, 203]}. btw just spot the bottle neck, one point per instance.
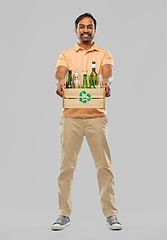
{"type": "Point", "coordinates": [92, 83]}
{"type": "Point", "coordinates": [69, 77]}
{"type": "Point", "coordinates": [69, 81]}
{"type": "Point", "coordinates": [93, 67]}
{"type": "Point", "coordinates": [85, 80]}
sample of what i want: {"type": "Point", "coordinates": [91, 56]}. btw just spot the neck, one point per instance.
{"type": "Point", "coordinates": [85, 45]}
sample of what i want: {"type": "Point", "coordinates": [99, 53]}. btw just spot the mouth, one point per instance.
{"type": "Point", "coordinates": [85, 35]}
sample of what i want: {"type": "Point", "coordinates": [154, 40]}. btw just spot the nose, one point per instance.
{"type": "Point", "coordinates": [86, 29]}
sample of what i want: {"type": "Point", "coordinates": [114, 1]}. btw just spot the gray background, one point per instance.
{"type": "Point", "coordinates": [33, 34]}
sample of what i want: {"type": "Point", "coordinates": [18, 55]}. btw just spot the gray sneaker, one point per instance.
{"type": "Point", "coordinates": [113, 223]}
{"type": "Point", "coordinates": [61, 223]}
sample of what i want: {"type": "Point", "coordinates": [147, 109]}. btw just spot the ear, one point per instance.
{"type": "Point", "coordinates": [76, 31]}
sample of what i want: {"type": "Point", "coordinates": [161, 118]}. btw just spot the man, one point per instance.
{"type": "Point", "coordinates": [91, 123]}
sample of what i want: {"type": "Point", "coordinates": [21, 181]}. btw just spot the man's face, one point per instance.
{"type": "Point", "coordinates": [85, 30]}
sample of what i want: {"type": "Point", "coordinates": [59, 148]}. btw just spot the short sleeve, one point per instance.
{"type": "Point", "coordinates": [107, 59]}
{"type": "Point", "coordinates": [62, 61]}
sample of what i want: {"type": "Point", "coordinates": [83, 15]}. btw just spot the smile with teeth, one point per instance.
{"type": "Point", "coordinates": [85, 35]}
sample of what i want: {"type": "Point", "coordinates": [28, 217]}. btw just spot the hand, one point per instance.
{"type": "Point", "coordinates": [107, 89]}
{"type": "Point", "coordinates": [59, 90]}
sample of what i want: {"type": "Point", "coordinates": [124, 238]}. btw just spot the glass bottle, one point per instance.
{"type": "Point", "coordinates": [82, 74]}
{"type": "Point", "coordinates": [92, 82]}
{"type": "Point", "coordinates": [99, 82]}
{"type": "Point", "coordinates": [94, 72]}
{"type": "Point", "coordinates": [85, 85]}
{"type": "Point", "coordinates": [76, 79]}
{"type": "Point", "coordinates": [69, 79]}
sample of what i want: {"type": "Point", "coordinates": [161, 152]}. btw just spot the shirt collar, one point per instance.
{"type": "Point", "coordinates": [94, 47]}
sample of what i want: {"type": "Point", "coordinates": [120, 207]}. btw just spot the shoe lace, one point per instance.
{"type": "Point", "coordinates": [59, 220]}
{"type": "Point", "coordinates": [114, 219]}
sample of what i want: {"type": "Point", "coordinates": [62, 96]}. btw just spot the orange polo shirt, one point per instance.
{"type": "Point", "coordinates": [78, 59]}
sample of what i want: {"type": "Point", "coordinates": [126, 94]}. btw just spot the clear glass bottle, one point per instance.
{"type": "Point", "coordinates": [76, 79]}
{"type": "Point", "coordinates": [99, 81]}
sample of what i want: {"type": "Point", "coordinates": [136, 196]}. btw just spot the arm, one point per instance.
{"type": "Point", "coordinates": [107, 73]}
{"type": "Point", "coordinates": [60, 74]}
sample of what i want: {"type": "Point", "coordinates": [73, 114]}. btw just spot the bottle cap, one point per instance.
{"type": "Point", "coordinates": [93, 64]}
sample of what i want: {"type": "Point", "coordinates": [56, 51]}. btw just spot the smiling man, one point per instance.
{"type": "Point", "coordinates": [85, 32]}
{"type": "Point", "coordinates": [76, 123]}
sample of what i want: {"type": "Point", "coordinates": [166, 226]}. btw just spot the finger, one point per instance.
{"type": "Point", "coordinates": [108, 92]}
{"type": "Point", "coordinates": [59, 93]}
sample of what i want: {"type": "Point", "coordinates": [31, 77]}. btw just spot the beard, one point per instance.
{"type": "Point", "coordinates": [84, 40]}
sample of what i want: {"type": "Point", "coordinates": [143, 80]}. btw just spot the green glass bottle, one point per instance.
{"type": "Point", "coordinates": [85, 85]}
{"type": "Point", "coordinates": [69, 79]}
{"type": "Point", "coordinates": [94, 72]}
{"type": "Point", "coordinates": [92, 82]}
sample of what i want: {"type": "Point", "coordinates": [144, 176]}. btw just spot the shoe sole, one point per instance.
{"type": "Point", "coordinates": [114, 226]}
{"type": "Point", "coordinates": [59, 227]}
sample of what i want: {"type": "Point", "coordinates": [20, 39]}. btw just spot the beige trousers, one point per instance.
{"type": "Point", "coordinates": [72, 131]}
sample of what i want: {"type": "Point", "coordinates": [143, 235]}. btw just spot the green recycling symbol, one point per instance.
{"type": "Point", "coordinates": [82, 98]}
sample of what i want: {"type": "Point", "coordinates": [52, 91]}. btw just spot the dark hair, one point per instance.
{"type": "Point", "coordinates": [82, 16]}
